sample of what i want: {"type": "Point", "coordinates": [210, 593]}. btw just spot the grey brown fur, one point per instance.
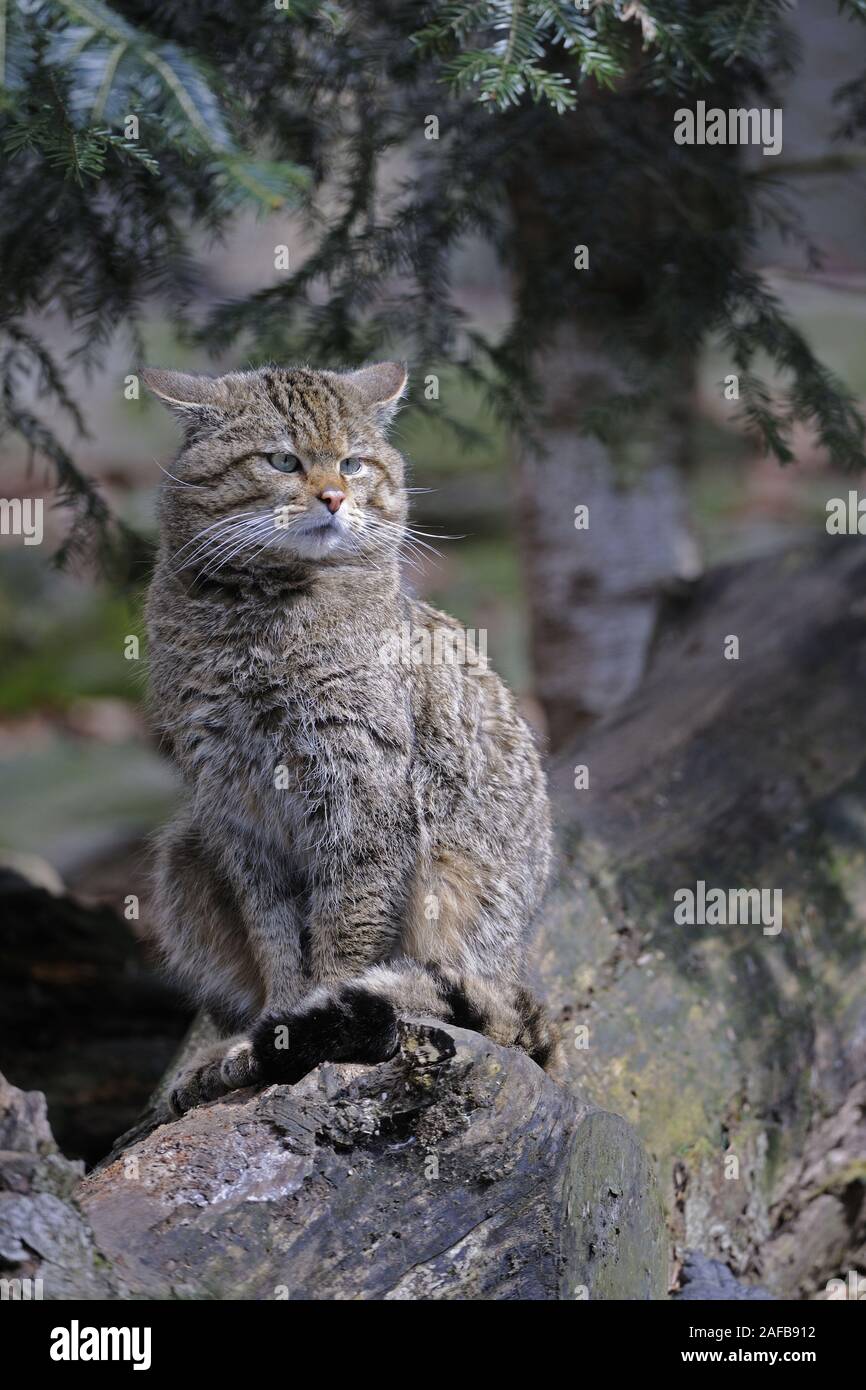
{"type": "Point", "coordinates": [364, 836]}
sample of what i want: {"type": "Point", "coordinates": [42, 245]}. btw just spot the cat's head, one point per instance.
{"type": "Point", "coordinates": [283, 465]}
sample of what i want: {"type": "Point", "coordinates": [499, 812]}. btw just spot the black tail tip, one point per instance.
{"type": "Point", "coordinates": [371, 1033]}
{"type": "Point", "coordinates": [354, 1025]}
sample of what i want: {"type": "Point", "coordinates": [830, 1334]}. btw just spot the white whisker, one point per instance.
{"type": "Point", "coordinates": [218, 545]}
{"type": "Point", "coordinates": [220, 521]}
{"type": "Point", "coordinates": [434, 535]}
{"type": "Point", "coordinates": [244, 535]}
{"type": "Point", "coordinates": [223, 537]}
{"type": "Point", "coordinates": [408, 536]}
{"type": "Point", "coordinates": [182, 481]}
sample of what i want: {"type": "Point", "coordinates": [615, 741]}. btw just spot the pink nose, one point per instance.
{"type": "Point", "coordinates": [333, 498]}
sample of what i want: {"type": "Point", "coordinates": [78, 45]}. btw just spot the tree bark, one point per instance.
{"type": "Point", "coordinates": [595, 593]}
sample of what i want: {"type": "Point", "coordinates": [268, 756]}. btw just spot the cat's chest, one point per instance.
{"type": "Point", "coordinates": [292, 700]}
{"type": "Point", "coordinates": [277, 703]}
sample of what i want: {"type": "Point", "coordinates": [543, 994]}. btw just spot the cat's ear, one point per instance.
{"type": "Point", "coordinates": [381, 386]}
{"type": "Point", "coordinates": [183, 392]}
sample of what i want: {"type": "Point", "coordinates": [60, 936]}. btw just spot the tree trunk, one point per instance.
{"type": "Point", "coordinates": [596, 582]}
{"type": "Point", "coordinates": [599, 323]}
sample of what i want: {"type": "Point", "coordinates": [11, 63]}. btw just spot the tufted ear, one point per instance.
{"type": "Point", "coordinates": [380, 386]}
{"type": "Point", "coordinates": [184, 392]}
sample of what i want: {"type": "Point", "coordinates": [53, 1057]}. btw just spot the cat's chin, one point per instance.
{"type": "Point", "coordinates": [316, 543]}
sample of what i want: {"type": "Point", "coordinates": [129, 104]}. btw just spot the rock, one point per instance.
{"type": "Point", "coordinates": [709, 1280]}
{"type": "Point", "coordinates": [456, 1171]}
{"type": "Point", "coordinates": [46, 1246]}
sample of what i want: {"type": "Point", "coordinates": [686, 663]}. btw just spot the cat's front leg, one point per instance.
{"type": "Point", "coordinates": [266, 892]}
{"type": "Point", "coordinates": [358, 823]}
{"type": "Point", "coordinates": [364, 840]}
{"type": "Point", "coordinates": [269, 895]}
{"type": "Point", "coordinates": [212, 1072]}
{"type": "Point", "coordinates": [361, 884]}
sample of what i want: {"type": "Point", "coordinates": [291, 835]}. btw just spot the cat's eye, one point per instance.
{"type": "Point", "coordinates": [350, 466]}
{"type": "Point", "coordinates": [285, 463]}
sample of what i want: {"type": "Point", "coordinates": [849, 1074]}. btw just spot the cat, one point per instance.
{"type": "Point", "coordinates": [366, 834]}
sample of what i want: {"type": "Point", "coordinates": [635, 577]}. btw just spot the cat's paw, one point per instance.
{"type": "Point", "coordinates": [347, 1024]}
{"type": "Point", "coordinates": [196, 1084]}
{"type": "Point", "coordinates": [240, 1066]}
{"type": "Point", "coordinates": [225, 1067]}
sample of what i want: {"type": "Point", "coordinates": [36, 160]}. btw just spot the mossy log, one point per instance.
{"type": "Point", "coordinates": [739, 1056]}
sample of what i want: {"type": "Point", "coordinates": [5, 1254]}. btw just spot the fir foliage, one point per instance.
{"type": "Point", "coordinates": [543, 106]}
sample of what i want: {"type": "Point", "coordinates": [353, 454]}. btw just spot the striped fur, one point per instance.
{"type": "Point", "coordinates": [364, 835]}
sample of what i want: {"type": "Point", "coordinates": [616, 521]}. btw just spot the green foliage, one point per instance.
{"type": "Point", "coordinates": [507, 50]}
{"type": "Point", "coordinates": [94, 219]}
{"type": "Point", "coordinates": [555, 127]}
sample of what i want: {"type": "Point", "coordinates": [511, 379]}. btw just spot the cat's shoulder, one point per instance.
{"type": "Point", "coordinates": [424, 616]}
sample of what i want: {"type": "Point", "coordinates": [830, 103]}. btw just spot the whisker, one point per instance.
{"type": "Point", "coordinates": [430, 549]}
{"type": "Point", "coordinates": [417, 530]}
{"type": "Point", "coordinates": [242, 535]}
{"type": "Point", "coordinates": [417, 558]}
{"type": "Point", "coordinates": [182, 481]}
{"type": "Point", "coordinates": [355, 537]}
{"type": "Point", "coordinates": [409, 536]}
{"type": "Point", "coordinates": [259, 525]}
{"type": "Point", "coordinates": [396, 545]}
{"type": "Point", "coordinates": [220, 521]}
{"type": "Point", "coordinates": [434, 535]}
{"type": "Point", "coordinates": [218, 561]}
{"type": "Point", "coordinates": [210, 554]}
{"type": "Point", "coordinates": [258, 552]}
{"type": "Point", "coordinates": [227, 528]}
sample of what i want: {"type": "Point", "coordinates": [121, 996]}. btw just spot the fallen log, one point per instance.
{"type": "Point", "coordinates": [82, 1016]}
{"type": "Point", "coordinates": [738, 1053]}
{"type": "Point", "coordinates": [458, 1170]}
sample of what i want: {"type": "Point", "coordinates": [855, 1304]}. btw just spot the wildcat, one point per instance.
{"type": "Point", "coordinates": [365, 835]}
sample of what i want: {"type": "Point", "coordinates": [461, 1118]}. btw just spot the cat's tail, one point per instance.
{"type": "Point", "coordinates": [356, 1021]}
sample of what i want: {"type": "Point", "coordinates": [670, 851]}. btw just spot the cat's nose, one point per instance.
{"type": "Point", "coordinates": [333, 498]}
